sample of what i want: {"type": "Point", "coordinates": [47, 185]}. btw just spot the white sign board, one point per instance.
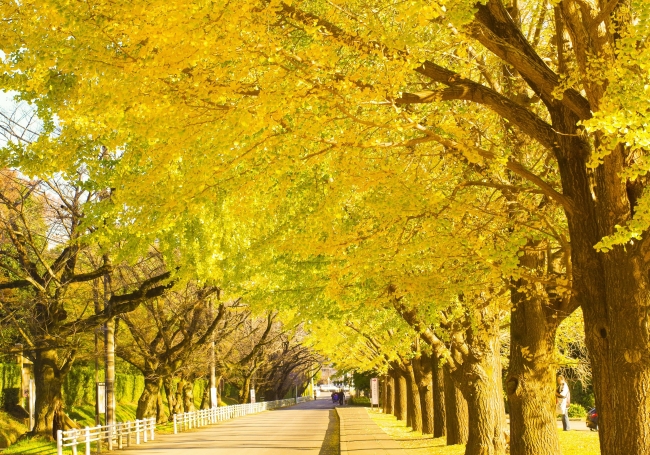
{"type": "Point", "coordinates": [374, 391]}
{"type": "Point", "coordinates": [101, 398]}
{"type": "Point", "coordinates": [252, 395]}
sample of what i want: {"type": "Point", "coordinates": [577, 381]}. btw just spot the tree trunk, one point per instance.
{"type": "Point", "coordinates": [439, 420]}
{"type": "Point", "coordinates": [400, 396]}
{"type": "Point", "coordinates": [414, 406]}
{"type": "Point", "coordinates": [169, 393]}
{"type": "Point", "coordinates": [48, 382]}
{"type": "Point", "coordinates": [161, 416]}
{"type": "Point", "coordinates": [530, 385]}
{"type": "Point", "coordinates": [423, 375]}
{"type": "Point", "coordinates": [180, 401]}
{"type": "Point", "coordinates": [486, 412]}
{"type": "Point", "coordinates": [389, 402]}
{"type": "Point", "coordinates": [479, 378]}
{"type": "Point", "coordinates": [188, 396]}
{"type": "Point", "coordinates": [148, 402]}
{"type": "Point", "coordinates": [384, 392]}
{"type": "Point", "coordinates": [613, 287]}
{"type": "Point", "coordinates": [205, 399]}
{"type": "Point", "coordinates": [455, 411]}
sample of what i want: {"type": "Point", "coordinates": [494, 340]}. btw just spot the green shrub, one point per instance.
{"type": "Point", "coordinates": [9, 380]}
{"type": "Point", "coordinates": [359, 401]}
{"type": "Point", "coordinates": [576, 410]}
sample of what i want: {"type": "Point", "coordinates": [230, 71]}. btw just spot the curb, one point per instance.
{"type": "Point", "coordinates": [343, 443]}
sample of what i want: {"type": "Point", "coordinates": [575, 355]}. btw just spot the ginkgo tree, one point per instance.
{"type": "Point", "coordinates": [196, 100]}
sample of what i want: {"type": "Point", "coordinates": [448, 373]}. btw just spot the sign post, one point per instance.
{"type": "Point", "coordinates": [374, 392]}
{"type": "Point", "coordinates": [252, 395]}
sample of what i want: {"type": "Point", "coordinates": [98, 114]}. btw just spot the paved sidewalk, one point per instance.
{"type": "Point", "coordinates": [360, 435]}
{"type": "Point", "coordinates": [299, 429]}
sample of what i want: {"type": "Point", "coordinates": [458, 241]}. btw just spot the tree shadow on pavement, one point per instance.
{"type": "Point", "coordinates": [331, 441]}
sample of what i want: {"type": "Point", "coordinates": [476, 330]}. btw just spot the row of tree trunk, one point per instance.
{"type": "Point", "coordinates": [421, 392]}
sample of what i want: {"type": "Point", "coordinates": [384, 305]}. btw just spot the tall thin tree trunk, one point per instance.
{"type": "Point", "coordinates": [423, 375]}
{"type": "Point", "coordinates": [161, 416]}
{"type": "Point", "coordinates": [414, 404]}
{"type": "Point", "coordinates": [169, 393]}
{"type": "Point", "coordinates": [109, 362]}
{"type": "Point", "coordinates": [439, 419]}
{"type": "Point", "coordinates": [400, 396]}
{"type": "Point", "coordinates": [389, 402]}
{"type": "Point", "coordinates": [205, 399]}
{"type": "Point", "coordinates": [456, 412]}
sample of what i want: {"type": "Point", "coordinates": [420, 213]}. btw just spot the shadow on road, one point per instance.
{"type": "Point", "coordinates": [331, 441]}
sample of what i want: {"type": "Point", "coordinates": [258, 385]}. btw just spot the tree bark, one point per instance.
{"type": "Point", "coordinates": [148, 402]}
{"type": "Point", "coordinates": [180, 401]}
{"type": "Point", "coordinates": [161, 416]}
{"type": "Point", "coordinates": [457, 425]}
{"type": "Point", "coordinates": [188, 396]}
{"type": "Point", "coordinates": [439, 420]}
{"type": "Point", "coordinates": [48, 382]}
{"type": "Point", "coordinates": [414, 404]}
{"type": "Point", "coordinates": [205, 399]}
{"type": "Point", "coordinates": [530, 385]}
{"type": "Point", "coordinates": [169, 393]}
{"type": "Point", "coordinates": [424, 377]}
{"type": "Point", "coordinates": [400, 396]}
{"type": "Point", "coordinates": [389, 402]}
{"type": "Point", "coordinates": [485, 406]}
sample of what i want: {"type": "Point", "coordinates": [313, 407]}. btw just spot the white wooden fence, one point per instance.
{"type": "Point", "coordinates": [196, 419]}
{"type": "Point", "coordinates": [126, 434]}
{"type": "Point", "coordinates": [120, 435]}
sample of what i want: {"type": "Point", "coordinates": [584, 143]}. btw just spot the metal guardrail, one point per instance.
{"type": "Point", "coordinates": [120, 434]}
{"type": "Point", "coordinates": [196, 419]}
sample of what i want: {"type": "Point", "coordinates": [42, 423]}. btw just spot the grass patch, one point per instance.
{"type": "Point", "coordinates": [34, 446]}
{"type": "Point", "coordinates": [227, 401]}
{"type": "Point", "coordinates": [414, 443]}
{"type": "Point", "coordinates": [571, 442]}
{"type": "Point", "coordinates": [579, 442]}
{"type": "Point", "coordinates": [85, 415]}
{"type": "Point", "coordinates": [10, 430]}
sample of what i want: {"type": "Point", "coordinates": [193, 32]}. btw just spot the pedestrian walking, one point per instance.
{"type": "Point", "coordinates": [341, 397]}
{"type": "Point", "coordinates": [562, 401]}
{"type": "Point", "coordinates": [335, 397]}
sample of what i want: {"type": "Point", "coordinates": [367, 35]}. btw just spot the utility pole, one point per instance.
{"type": "Point", "coordinates": [213, 367]}
{"type": "Point", "coordinates": [109, 349]}
{"type": "Point", "coordinates": [98, 407]}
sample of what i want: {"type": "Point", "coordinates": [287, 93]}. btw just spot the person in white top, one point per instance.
{"type": "Point", "coordinates": [562, 400]}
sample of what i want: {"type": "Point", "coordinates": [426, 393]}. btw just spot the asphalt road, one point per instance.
{"type": "Point", "coordinates": [308, 428]}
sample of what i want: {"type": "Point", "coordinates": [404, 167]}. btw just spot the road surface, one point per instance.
{"type": "Point", "coordinates": [307, 429]}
